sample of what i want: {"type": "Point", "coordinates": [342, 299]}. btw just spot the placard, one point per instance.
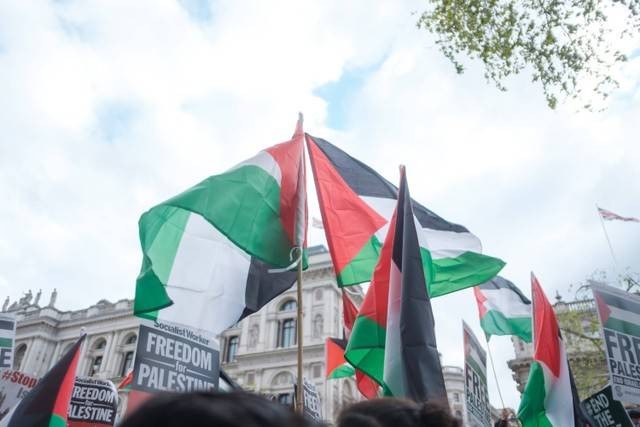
{"type": "Point", "coordinates": [605, 411]}
{"type": "Point", "coordinates": [14, 385]}
{"type": "Point", "coordinates": [475, 384]}
{"type": "Point", "coordinates": [7, 339]}
{"type": "Point", "coordinates": [94, 402]}
{"type": "Point", "coordinates": [311, 399]}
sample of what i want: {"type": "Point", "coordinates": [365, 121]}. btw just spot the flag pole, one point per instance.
{"type": "Point", "coordinates": [299, 401]}
{"type": "Point", "coordinates": [606, 235]}
{"type": "Point", "coordinates": [493, 368]}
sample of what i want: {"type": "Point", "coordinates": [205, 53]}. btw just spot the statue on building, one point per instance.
{"type": "Point", "coordinates": [38, 297]}
{"type": "Point", "coordinates": [52, 300]}
{"type": "Point", "coordinates": [6, 304]}
{"type": "Point", "coordinates": [26, 299]}
{"type": "Point", "coordinates": [254, 332]}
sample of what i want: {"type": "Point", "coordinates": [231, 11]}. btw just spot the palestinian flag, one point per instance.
{"type": "Point", "coordinates": [7, 336]}
{"type": "Point", "coordinates": [207, 252]}
{"type": "Point", "coordinates": [125, 384]}
{"type": "Point", "coordinates": [47, 404]}
{"type": "Point", "coordinates": [503, 309]}
{"type": "Point", "coordinates": [393, 339]}
{"type": "Point", "coordinates": [618, 310]}
{"type": "Point", "coordinates": [366, 385]}
{"type": "Point", "coordinates": [356, 205]}
{"type": "Point", "coordinates": [337, 367]}
{"type": "Point", "coordinates": [550, 397]}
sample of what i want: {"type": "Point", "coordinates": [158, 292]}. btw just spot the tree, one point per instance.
{"type": "Point", "coordinates": [566, 44]}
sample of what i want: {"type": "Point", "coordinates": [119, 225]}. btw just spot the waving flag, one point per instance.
{"type": "Point", "coordinates": [610, 216]}
{"type": "Point", "coordinates": [207, 251]}
{"type": "Point", "coordinates": [356, 205]}
{"type": "Point", "coordinates": [47, 404]}
{"type": "Point", "coordinates": [550, 397]}
{"type": "Point", "coordinates": [393, 339]}
{"type": "Point", "coordinates": [337, 366]}
{"type": "Point", "coordinates": [503, 309]}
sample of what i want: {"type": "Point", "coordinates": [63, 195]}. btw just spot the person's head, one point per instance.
{"type": "Point", "coordinates": [393, 412]}
{"type": "Point", "coordinates": [634, 414]}
{"type": "Point", "coordinates": [206, 409]}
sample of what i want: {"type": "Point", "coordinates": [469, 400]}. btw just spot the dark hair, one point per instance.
{"type": "Point", "coordinates": [208, 409]}
{"type": "Point", "coordinates": [394, 412]}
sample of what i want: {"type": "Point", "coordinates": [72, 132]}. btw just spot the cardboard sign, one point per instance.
{"type": "Point", "coordinates": [475, 384]}
{"type": "Point", "coordinates": [605, 411]}
{"type": "Point", "coordinates": [311, 399]}
{"type": "Point", "coordinates": [94, 402]}
{"type": "Point", "coordinates": [7, 338]}
{"type": "Point", "coordinates": [619, 314]}
{"type": "Point", "coordinates": [14, 385]}
{"type": "Point", "coordinates": [172, 357]}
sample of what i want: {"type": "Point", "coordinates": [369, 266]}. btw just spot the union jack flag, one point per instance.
{"type": "Point", "coordinates": [610, 216]}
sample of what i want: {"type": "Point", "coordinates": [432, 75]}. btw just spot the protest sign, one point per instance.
{"type": "Point", "coordinates": [7, 337]}
{"type": "Point", "coordinates": [171, 357]}
{"type": "Point", "coordinates": [311, 399]}
{"type": "Point", "coordinates": [14, 385]}
{"type": "Point", "coordinates": [94, 402]}
{"type": "Point", "coordinates": [619, 314]}
{"type": "Point", "coordinates": [605, 411]}
{"type": "Point", "coordinates": [475, 384]}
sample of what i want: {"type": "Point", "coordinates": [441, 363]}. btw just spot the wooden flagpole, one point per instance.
{"type": "Point", "coordinates": [606, 235]}
{"type": "Point", "coordinates": [299, 394]}
{"type": "Point", "coordinates": [493, 368]}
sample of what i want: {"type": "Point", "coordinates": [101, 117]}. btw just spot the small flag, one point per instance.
{"type": "Point", "coordinates": [503, 309]}
{"type": "Point", "coordinates": [7, 337]}
{"type": "Point", "coordinates": [47, 404]}
{"type": "Point", "coordinates": [356, 204]}
{"type": "Point", "coordinates": [550, 397]}
{"type": "Point", "coordinates": [209, 253]}
{"type": "Point", "coordinates": [337, 367]}
{"type": "Point", "coordinates": [125, 384]}
{"type": "Point", "coordinates": [610, 216]}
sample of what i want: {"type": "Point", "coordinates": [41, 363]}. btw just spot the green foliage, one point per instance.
{"type": "Point", "coordinates": [567, 44]}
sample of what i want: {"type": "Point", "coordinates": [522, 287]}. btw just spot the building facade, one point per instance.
{"type": "Point", "coordinates": [259, 353]}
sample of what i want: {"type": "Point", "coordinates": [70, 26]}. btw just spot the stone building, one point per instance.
{"type": "Point", "coordinates": [259, 353]}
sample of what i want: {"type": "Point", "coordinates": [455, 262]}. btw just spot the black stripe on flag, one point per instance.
{"type": "Point", "coordinates": [368, 183]}
{"type": "Point", "coordinates": [421, 361]}
{"type": "Point", "coordinates": [263, 286]}
{"type": "Point", "coordinates": [7, 325]}
{"type": "Point", "coordinates": [619, 302]}
{"type": "Point", "coordinates": [339, 342]}
{"type": "Point", "coordinates": [502, 283]}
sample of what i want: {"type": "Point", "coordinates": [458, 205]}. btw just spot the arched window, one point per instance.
{"type": "Point", "coordinates": [128, 352]}
{"type": "Point", "coordinates": [127, 363]}
{"type": "Point", "coordinates": [282, 379]}
{"type": "Point", "coordinates": [289, 305]}
{"type": "Point", "coordinates": [97, 354]}
{"type": "Point", "coordinates": [232, 348]}
{"type": "Point", "coordinates": [21, 350]}
{"type": "Point", "coordinates": [287, 333]}
{"type": "Point", "coordinates": [131, 339]}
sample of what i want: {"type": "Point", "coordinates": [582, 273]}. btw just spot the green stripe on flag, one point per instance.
{"type": "Point", "coordinates": [495, 323]}
{"type": "Point", "coordinates": [468, 269]}
{"type": "Point", "coordinates": [623, 326]}
{"type": "Point", "coordinates": [365, 350]}
{"type": "Point", "coordinates": [343, 371]}
{"type": "Point", "coordinates": [532, 412]}
{"type": "Point", "coordinates": [6, 342]}
{"type": "Point", "coordinates": [57, 421]}
{"type": "Point", "coordinates": [361, 267]}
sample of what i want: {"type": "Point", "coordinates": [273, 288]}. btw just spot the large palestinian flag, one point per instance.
{"type": "Point", "coordinates": [207, 251]}
{"type": "Point", "coordinates": [503, 309]}
{"type": "Point", "coordinates": [550, 397]}
{"type": "Point", "coordinates": [393, 339]}
{"type": "Point", "coordinates": [356, 205]}
{"type": "Point", "coordinates": [47, 404]}
{"type": "Point", "coordinates": [337, 367]}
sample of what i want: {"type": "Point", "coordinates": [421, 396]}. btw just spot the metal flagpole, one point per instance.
{"type": "Point", "coordinates": [299, 401]}
{"type": "Point", "coordinates": [604, 229]}
{"type": "Point", "coordinates": [493, 368]}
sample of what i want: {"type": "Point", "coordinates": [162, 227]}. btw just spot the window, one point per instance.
{"type": "Point", "coordinates": [131, 339]}
{"type": "Point", "coordinates": [127, 363]}
{"type": "Point", "coordinates": [286, 399]}
{"type": "Point", "coordinates": [289, 305]}
{"type": "Point", "coordinates": [287, 335]}
{"type": "Point", "coordinates": [458, 414]}
{"type": "Point", "coordinates": [251, 378]}
{"type": "Point", "coordinates": [456, 397]}
{"type": "Point", "coordinates": [232, 348]}
{"type": "Point", "coordinates": [317, 371]}
{"type": "Point", "coordinates": [95, 366]}
{"type": "Point", "coordinates": [100, 345]}
{"type": "Point", "coordinates": [17, 359]}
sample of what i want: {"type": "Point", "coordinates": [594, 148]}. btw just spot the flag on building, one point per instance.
{"type": "Point", "coordinates": [337, 366]}
{"type": "Point", "coordinates": [393, 339]}
{"type": "Point", "coordinates": [7, 337]}
{"type": "Point", "coordinates": [207, 252]}
{"type": "Point", "coordinates": [550, 397]}
{"type": "Point", "coordinates": [356, 205]}
{"type": "Point", "coordinates": [503, 309]}
{"type": "Point", "coordinates": [47, 404]}
{"type": "Point", "coordinates": [610, 216]}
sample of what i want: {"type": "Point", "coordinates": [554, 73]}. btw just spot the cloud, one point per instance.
{"type": "Point", "coordinates": [111, 107]}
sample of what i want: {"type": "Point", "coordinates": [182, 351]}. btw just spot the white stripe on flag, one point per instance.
{"type": "Point", "coordinates": [559, 402]}
{"type": "Point", "coordinates": [627, 316]}
{"type": "Point", "coordinates": [264, 161]}
{"type": "Point", "coordinates": [507, 302]}
{"type": "Point", "coordinates": [393, 375]}
{"type": "Point", "coordinates": [208, 279]}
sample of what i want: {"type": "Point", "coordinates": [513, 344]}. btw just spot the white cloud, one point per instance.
{"type": "Point", "coordinates": [111, 107]}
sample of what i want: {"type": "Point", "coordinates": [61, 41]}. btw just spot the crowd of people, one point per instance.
{"type": "Point", "coordinates": [242, 409]}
